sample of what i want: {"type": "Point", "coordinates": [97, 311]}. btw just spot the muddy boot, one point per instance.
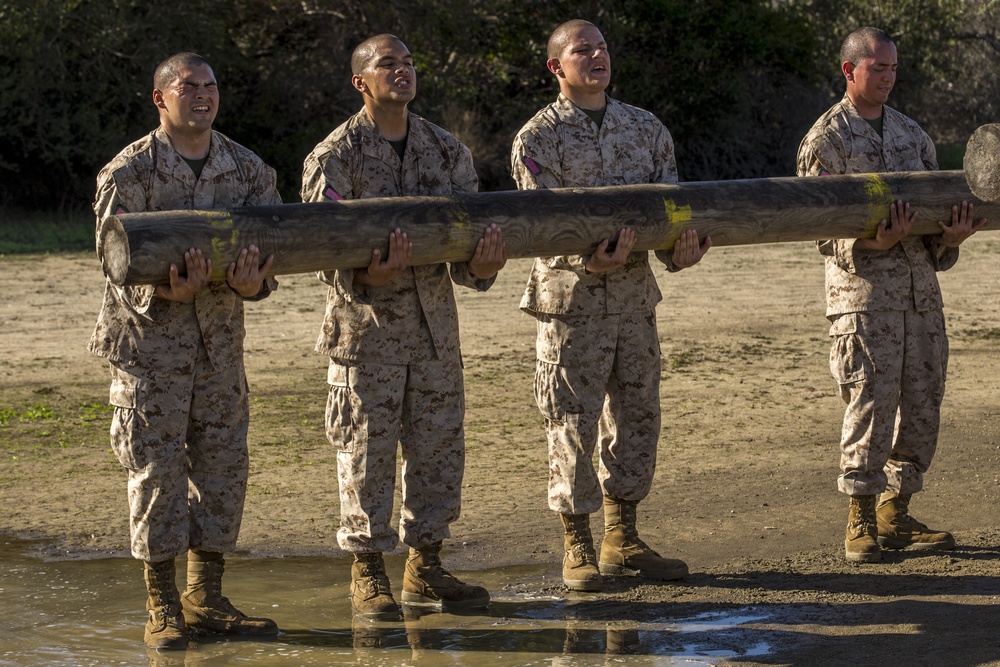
{"type": "Point", "coordinates": [898, 530]}
{"type": "Point", "coordinates": [579, 568]}
{"type": "Point", "coordinates": [206, 608]}
{"type": "Point", "coordinates": [165, 627]}
{"type": "Point", "coordinates": [623, 553]}
{"type": "Point", "coordinates": [370, 593]}
{"type": "Point", "coordinates": [426, 582]}
{"type": "Point", "coordinates": [860, 540]}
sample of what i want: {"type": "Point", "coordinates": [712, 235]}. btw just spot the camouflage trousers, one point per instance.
{"type": "Point", "coordinates": [597, 384]}
{"type": "Point", "coordinates": [891, 367]}
{"type": "Point", "coordinates": [370, 410]}
{"type": "Point", "coordinates": [183, 440]}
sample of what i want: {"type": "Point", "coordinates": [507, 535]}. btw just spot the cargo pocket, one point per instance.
{"type": "Point", "coordinates": [339, 413]}
{"type": "Point", "coordinates": [555, 400]}
{"type": "Point", "coordinates": [850, 363]}
{"type": "Point", "coordinates": [128, 438]}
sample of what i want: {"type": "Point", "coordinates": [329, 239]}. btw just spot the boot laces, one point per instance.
{"type": "Point", "coordinates": [584, 555]}
{"type": "Point", "coordinates": [374, 586]}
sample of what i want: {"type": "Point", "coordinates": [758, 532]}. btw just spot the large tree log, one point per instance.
{"type": "Point", "coordinates": [138, 248]}
{"type": "Point", "coordinates": [982, 162]}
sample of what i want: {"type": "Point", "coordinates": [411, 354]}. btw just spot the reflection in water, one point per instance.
{"type": "Point", "coordinates": [84, 613]}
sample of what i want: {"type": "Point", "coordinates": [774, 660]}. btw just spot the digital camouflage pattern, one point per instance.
{"type": "Point", "coordinates": [597, 333]}
{"type": "Point", "coordinates": [889, 361]}
{"type": "Point", "coordinates": [561, 147]}
{"type": "Point", "coordinates": [613, 358]}
{"type": "Point", "coordinates": [371, 407]}
{"type": "Point", "coordinates": [414, 316]}
{"type": "Point", "coordinates": [178, 381]}
{"type": "Point", "coordinates": [842, 142]}
{"type": "Point", "coordinates": [890, 349]}
{"type": "Point", "coordinates": [395, 370]}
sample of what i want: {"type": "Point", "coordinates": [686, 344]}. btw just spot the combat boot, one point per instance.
{"type": "Point", "coordinates": [898, 530]}
{"type": "Point", "coordinates": [206, 608]}
{"type": "Point", "coordinates": [861, 544]}
{"type": "Point", "coordinates": [165, 627]}
{"type": "Point", "coordinates": [623, 553]}
{"type": "Point", "coordinates": [426, 582]}
{"type": "Point", "coordinates": [579, 567]}
{"type": "Point", "coordinates": [370, 592]}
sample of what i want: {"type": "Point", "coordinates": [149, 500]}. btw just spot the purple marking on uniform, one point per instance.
{"type": "Point", "coordinates": [532, 167]}
{"type": "Point", "coordinates": [331, 194]}
{"type": "Point", "coordinates": [824, 172]}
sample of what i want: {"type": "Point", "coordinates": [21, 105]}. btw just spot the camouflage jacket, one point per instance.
{"type": "Point", "coordinates": [842, 142]}
{"type": "Point", "coordinates": [561, 147]}
{"type": "Point", "coordinates": [137, 328]}
{"type": "Point", "coordinates": [414, 316]}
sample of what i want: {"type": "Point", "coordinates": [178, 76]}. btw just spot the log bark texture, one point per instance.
{"type": "Point", "coordinates": [138, 248]}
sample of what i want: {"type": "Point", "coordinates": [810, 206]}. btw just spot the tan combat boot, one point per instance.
{"type": "Point", "coordinates": [206, 608]}
{"type": "Point", "coordinates": [898, 530]}
{"type": "Point", "coordinates": [623, 553]}
{"type": "Point", "coordinates": [370, 592]}
{"type": "Point", "coordinates": [426, 582]}
{"type": "Point", "coordinates": [579, 568]}
{"type": "Point", "coordinates": [860, 540]}
{"type": "Point", "coordinates": [165, 627]}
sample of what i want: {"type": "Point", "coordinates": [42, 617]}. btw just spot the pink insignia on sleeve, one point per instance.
{"type": "Point", "coordinates": [532, 167]}
{"type": "Point", "coordinates": [824, 172]}
{"type": "Point", "coordinates": [120, 210]}
{"type": "Point", "coordinates": [331, 194]}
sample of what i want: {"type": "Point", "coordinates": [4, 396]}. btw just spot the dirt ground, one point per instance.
{"type": "Point", "coordinates": [745, 486]}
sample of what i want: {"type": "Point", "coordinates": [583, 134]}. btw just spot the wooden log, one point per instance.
{"type": "Point", "coordinates": [982, 162]}
{"type": "Point", "coordinates": [138, 248]}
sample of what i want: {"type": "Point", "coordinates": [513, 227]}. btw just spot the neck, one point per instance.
{"type": "Point", "coordinates": [592, 101]}
{"type": "Point", "coordinates": [867, 111]}
{"type": "Point", "coordinates": [192, 146]}
{"type": "Point", "coordinates": [391, 121]}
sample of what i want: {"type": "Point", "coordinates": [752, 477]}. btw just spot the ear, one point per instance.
{"type": "Point", "coordinates": [158, 99]}
{"type": "Point", "coordinates": [359, 83]}
{"type": "Point", "coordinates": [554, 66]}
{"type": "Point", "coordinates": [847, 68]}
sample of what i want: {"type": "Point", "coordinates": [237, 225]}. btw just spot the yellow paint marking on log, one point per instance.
{"type": "Point", "coordinates": [222, 222]}
{"type": "Point", "coordinates": [879, 198]}
{"type": "Point", "coordinates": [459, 220]}
{"type": "Point", "coordinates": [677, 216]}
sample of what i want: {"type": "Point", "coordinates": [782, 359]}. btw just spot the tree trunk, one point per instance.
{"type": "Point", "coordinates": [139, 247]}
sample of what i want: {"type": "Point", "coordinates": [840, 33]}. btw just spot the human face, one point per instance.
{"type": "Point", "coordinates": [390, 77]}
{"type": "Point", "coordinates": [189, 104]}
{"type": "Point", "coordinates": [584, 64]}
{"type": "Point", "coordinates": [869, 82]}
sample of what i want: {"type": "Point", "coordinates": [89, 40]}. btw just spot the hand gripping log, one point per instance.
{"type": "Point", "coordinates": [138, 248]}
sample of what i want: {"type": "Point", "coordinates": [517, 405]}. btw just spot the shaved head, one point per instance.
{"type": "Point", "coordinates": [168, 70]}
{"type": "Point", "coordinates": [366, 50]}
{"type": "Point", "coordinates": [861, 43]}
{"type": "Point", "coordinates": [563, 33]}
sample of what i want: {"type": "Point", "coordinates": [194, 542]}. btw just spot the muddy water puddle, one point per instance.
{"type": "Point", "coordinates": [91, 612]}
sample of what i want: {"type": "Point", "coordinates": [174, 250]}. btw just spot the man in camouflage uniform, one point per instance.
{"type": "Point", "coordinates": [391, 331]}
{"type": "Point", "coordinates": [890, 350]}
{"type": "Point", "coordinates": [176, 354]}
{"type": "Point", "coordinates": [598, 370]}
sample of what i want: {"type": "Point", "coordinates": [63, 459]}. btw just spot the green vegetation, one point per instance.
{"type": "Point", "coordinates": [32, 232]}
{"type": "Point", "coordinates": [738, 83]}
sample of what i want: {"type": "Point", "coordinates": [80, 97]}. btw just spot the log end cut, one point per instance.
{"type": "Point", "coordinates": [113, 250]}
{"type": "Point", "coordinates": [982, 163]}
